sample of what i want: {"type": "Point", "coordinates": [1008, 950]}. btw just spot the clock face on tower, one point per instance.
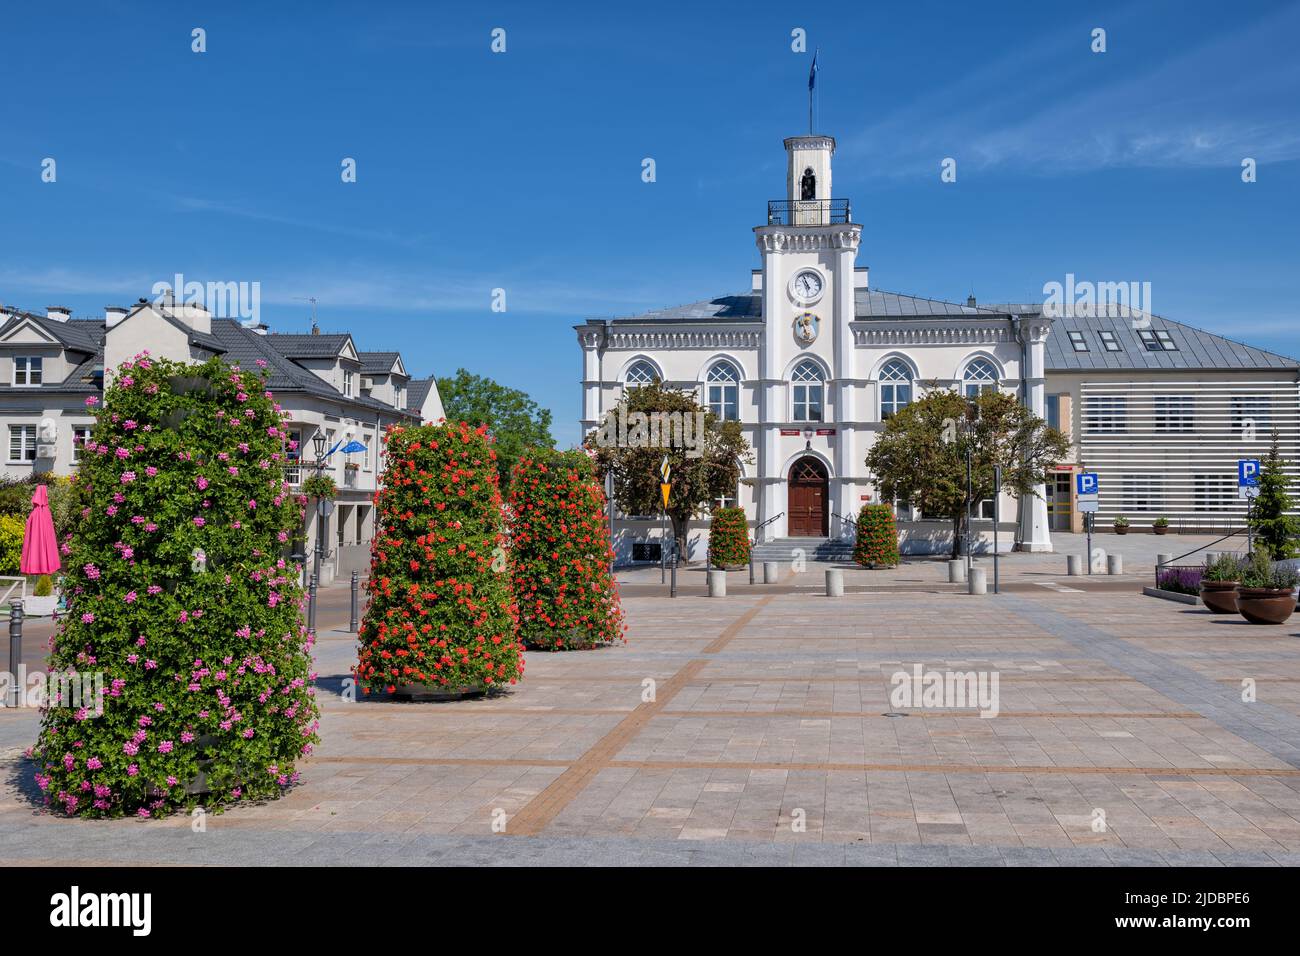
{"type": "Point", "coordinates": [807, 286]}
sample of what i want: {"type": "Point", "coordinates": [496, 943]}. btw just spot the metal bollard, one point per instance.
{"type": "Point", "coordinates": [978, 581]}
{"type": "Point", "coordinates": [771, 571]}
{"type": "Point", "coordinates": [717, 584]}
{"type": "Point", "coordinates": [672, 587]}
{"type": "Point", "coordinates": [957, 571]}
{"type": "Point", "coordinates": [311, 605]}
{"type": "Point", "coordinates": [1074, 565]}
{"type": "Point", "coordinates": [356, 587]}
{"type": "Point", "coordinates": [15, 649]}
{"type": "Point", "coordinates": [1115, 564]}
{"type": "Point", "coordinates": [751, 565]}
{"type": "Point", "coordinates": [834, 582]}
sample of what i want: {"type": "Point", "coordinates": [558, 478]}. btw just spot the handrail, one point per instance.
{"type": "Point", "coordinates": [1230, 534]}
{"type": "Point", "coordinates": [760, 527]}
{"type": "Point", "coordinates": [852, 521]}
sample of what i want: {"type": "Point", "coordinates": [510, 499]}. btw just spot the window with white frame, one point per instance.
{"type": "Point", "coordinates": [1174, 413]}
{"type": "Point", "coordinates": [1142, 493]}
{"type": "Point", "coordinates": [640, 373]}
{"type": "Point", "coordinates": [368, 440]}
{"type": "Point", "coordinates": [722, 392]}
{"type": "Point", "coordinates": [347, 382]}
{"type": "Point", "coordinates": [981, 375]}
{"type": "Point", "coordinates": [807, 390]}
{"type": "Point", "coordinates": [985, 510]}
{"type": "Point", "coordinates": [22, 442]}
{"type": "Point", "coordinates": [293, 456]}
{"type": "Point", "coordinates": [895, 387]}
{"type": "Point", "coordinates": [27, 369]}
{"type": "Point", "coordinates": [1105, 414]}
{"type": "Point", "coordinates": [80, 436]}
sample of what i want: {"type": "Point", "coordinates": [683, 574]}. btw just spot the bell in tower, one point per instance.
{"type": "Point", "coordinates": [808, 181]}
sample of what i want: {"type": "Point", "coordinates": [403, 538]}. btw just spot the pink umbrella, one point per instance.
{"type": "Point", "coordinates": [40, 550]}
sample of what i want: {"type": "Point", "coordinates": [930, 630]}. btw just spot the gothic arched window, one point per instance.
{"type": "Point", "coordinates": [807, 391]}
{"type": "Point", "coordinates": [722, 392]}
{"type": "Point", "coordinates": [980, 376]}
{"type": "Point", "coordinates": [895, 387]}
{"type": "Point", "coordinates": [808, 185]}
{"type": "Point", "coordinates": [641, 373]}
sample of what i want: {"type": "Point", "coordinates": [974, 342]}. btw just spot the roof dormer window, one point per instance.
{"type": "Point", "coordinates": [27, 370]}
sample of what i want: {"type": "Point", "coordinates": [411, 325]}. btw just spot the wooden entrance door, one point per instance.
{"type": "Point", "coordinates": [809, 491]}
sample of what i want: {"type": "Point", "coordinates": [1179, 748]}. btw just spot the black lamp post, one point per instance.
{"type": "Point", "coordinates": [968, 433]}
{"type": "Point", "coordinates": [808, 433]}
{"type": "Point", "coordinates": [318, 445]}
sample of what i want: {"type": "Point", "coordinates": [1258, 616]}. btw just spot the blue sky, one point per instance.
{"type": "Point", "coordinates": [522, 170]}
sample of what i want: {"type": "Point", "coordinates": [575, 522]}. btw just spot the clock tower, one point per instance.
{"type": "Point", "coordinates": [809, 250]}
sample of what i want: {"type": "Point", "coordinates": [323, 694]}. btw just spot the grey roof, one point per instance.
{"type": "Point", "coordinates": [299, 345]}
{"type": "Point", "coordinates": [378, 362]}
{"type": "Point", "coordinates": [1197, 348]}
{"type": "Point", "coordinates": [417, 390]}
{"type": "Point", "coordinates": [868, 304]}
{"type": "Point", "coordinates": [80, 335]}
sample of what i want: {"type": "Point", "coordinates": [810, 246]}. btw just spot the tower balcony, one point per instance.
{"type": "Point", "coordinates": [809, 212]}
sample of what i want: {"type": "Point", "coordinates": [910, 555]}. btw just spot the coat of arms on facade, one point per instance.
{"type": "Point", "coordinates": [805, 328]}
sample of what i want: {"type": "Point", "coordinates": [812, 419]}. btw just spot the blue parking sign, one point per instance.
{"type": "Point", "coordinates": [1247, 472]}
{"type": "Point", "coordinates": [1086, 483]}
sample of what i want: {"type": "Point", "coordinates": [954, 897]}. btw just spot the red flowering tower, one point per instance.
{"type": "Point", "coordinates": [877, 544]}
{"type": "Point", "coordinates": [561, 553]}
{"type": "Point", "coordinates": [441, 616]}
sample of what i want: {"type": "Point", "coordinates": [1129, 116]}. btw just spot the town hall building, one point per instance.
{"type": "Point", "coordinates": [812, 360]}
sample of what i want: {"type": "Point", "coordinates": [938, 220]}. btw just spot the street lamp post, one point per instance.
{"type": "Point", "coordinates": [318, 445]}
{"type": "Point", "coordinates": [968, 433]}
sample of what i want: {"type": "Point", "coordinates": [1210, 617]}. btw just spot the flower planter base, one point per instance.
{"type": "Point", "coordinates": [423, 692]}
{"type": "Point", "coordinates": [1121, 529]}
{"type": "Point", "coordinates": [1220, 597]}
{"type": "Point", "coordinates": [1160, 529]}
{"type": "Point", "coordinates": [1266, 605]}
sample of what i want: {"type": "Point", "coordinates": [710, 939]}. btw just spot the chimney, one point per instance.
{"type": "Point", "coordinates": [315, 329]}
{"type": "Point", "coordinates": [113, 314]}
{"type": "Point", "coordinates": [58, 313]}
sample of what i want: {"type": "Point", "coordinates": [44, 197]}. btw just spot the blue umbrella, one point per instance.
{"type": "Point", "coordinates": [352, 447]}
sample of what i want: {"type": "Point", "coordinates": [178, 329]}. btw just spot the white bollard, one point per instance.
{"type": "Point", "coordinates": [978, 581]}
{"type": "Point", "coordinates": [1073, 565]}
{"type": "Point", "coordinates": [1115, 564]}
{"type": "Point", "coordinates": [717, 584]}
{"type": "Point", "coordinates": [834, 582]}
{"type": "Point", "coordinates": [957, 571]}
{"type": "Point", "coordinates": [771, 571]}
{"type": "Point", "coordinates": [1162, 559]}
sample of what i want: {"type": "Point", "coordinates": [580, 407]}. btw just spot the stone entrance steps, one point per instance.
{"type": "Point", "coordinates": [814, 549]}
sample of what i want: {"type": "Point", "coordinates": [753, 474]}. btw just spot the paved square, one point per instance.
{"type": "Point", "coordinates": [768, 739]}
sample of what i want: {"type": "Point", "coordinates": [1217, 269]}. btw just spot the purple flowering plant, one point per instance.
{"type": "Point", "coordinates": [206, 664]}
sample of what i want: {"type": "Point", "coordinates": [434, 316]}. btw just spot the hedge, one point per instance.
{"type": "Point", "coordinates": [561, 554]}
{"type": "Point", "coordinates": [441, 613]}
{"type": "Point", "coordinates": [877, 543]}
{"type": "Point", "coordinates": [182, 601]}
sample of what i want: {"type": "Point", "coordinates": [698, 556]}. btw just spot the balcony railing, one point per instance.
{"type": "Point", "coordinates": [809, 212]}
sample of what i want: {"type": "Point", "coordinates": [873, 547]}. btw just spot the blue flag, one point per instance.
{"type": "Point", "coordinates": [812, 71]}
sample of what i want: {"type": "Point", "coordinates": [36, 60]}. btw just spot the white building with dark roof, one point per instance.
{"type": "Point", "coordinates": [50, 364]}
{"type": "Point", "coordinates": [811, 360]}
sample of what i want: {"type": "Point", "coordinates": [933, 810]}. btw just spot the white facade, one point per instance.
{"type": "Point", "coordinates": [810, 345]}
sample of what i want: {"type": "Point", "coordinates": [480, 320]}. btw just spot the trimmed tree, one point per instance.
{"type": "Point", "coordinates": [729, 538]}
{"type": "Point", "coordinates": [920, 456]}
{"type": "Point", "coordinates": [182, 603]}
{"type": "Point", "coordinates": [1272, 524]}
{"type": "Point", "coordinates": [440, 613]}
{"type": "Point", "coordinates": [560, 553]}
{"type": "Point", "coordinates": [650, 423]}
{"type": "Point", "coordinates": [877, 542]}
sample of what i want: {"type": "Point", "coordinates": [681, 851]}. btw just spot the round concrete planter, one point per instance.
{"type": "Point", "coordinates": [1220, 597]}
{"type": "Point", "coordinates": [423, 692]}
{"type": "Point", "coordinates": [1266, 605]}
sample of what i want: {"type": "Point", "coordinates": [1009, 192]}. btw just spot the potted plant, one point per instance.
{"type": "Point", "coordinates": [1267, 592]}
{"type": "Point", "coordinates": [1121, 525]}
{"type": "Point", "coordinates": [320, 486]}
{"type": "Point", "coordinates": [1160, 525]}
{"type": "Point", "coordinates": [1219, 581]}
{"type": "Point", "coordinates": [728, 539]}
{"type": "Point", "coordinates": [352, 465]}
{"type": "Point", "coordinates": [41, 602]}
{"type": "Point", "coordinates": [877, 539]}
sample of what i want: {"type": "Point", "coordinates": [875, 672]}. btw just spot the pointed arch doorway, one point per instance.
{"type": "Point", "coordinates": [809, 494]}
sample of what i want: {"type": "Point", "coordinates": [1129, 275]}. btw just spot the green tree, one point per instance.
{"type": "Point", "coordinates": [920, 456]}
{"type": "Point", "coordinates": [631, 445]}
{"type": "Point", "coordinates": [514, 420]}
{"type": "Point", "coordinates": [1270, 521]}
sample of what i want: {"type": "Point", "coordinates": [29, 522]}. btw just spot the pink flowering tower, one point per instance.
{"type": "Point", "coordinates": [182, 599]}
